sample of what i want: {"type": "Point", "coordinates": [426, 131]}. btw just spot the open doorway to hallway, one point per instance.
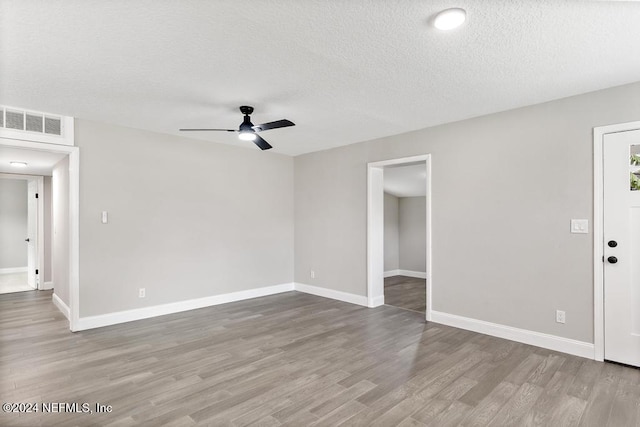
{"type": "Point", "coordinates": [405, 236]}
{"type": "Point", "coordinates": [399, 233]}
{"type": "Point", "coordinates": [27, 201]}
{"type": "Point", "coordinates": [21, 231]}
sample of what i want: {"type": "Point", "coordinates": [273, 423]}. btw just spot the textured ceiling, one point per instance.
{"type": "Point", "coordinates": [342, 71]}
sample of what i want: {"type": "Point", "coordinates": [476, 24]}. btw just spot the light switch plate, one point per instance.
{"type": "Point", "coordinates": [105, 217]}
{"type": "Point", "coordinates": [580, 226]}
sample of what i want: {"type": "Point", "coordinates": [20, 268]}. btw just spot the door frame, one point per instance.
{"type": "Point", "coordinates": [40, 222]}
{"type": "Point", "coordinates": [375, 229]}
{"type": "Point", "coordinates": [598, 231]}
{"type": "Point", "coordinates": [74, 215]}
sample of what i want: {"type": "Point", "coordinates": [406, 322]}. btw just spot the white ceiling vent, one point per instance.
{"type": "Point", "coordinates": [36, 126]}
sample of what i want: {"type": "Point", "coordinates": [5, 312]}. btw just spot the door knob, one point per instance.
{"type": "Point", "coordinates": [612, 259]}
{"type": "Point", "coordinates": [27, 240]}
{"type": "Point", "coordinates": [612, 243]}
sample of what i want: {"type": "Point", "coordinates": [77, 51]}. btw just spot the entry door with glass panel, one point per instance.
{"type": "Point", "coordinates": [621, 166]}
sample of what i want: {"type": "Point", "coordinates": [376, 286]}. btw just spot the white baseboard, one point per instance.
{"type": "Point", "coordinates": [416, 274]}
{"type": "Point", "coordinates": [64, 308]}
{"type": "Point", "coordinates": [98, 321]}
{"type": "Point", "coordinates": [391, 273]}
{"type": "Point", "coordinates": [13, 270]}
{"type": "Point", "coordinates": [330, 293]}
{"type": "Point", "coordinates": [408, 273]}
{"type": "Point", "coordinates": [47, 286]}
{"type": "Point", "coordinates": [551, 342]}
{"type": "Point", "coordinates": [377, 302]}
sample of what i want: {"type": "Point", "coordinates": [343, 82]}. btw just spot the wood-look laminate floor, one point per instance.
{"type": "Point", "coordinates": [297, 360]}
{"type": "Point", "coordinates": [406, 292]}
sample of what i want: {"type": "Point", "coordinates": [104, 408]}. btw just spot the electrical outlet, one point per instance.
{"type": "Point", "coordinates": [560, 316]}
{"type": "Point", "coordinates": [142, 293]}
{"type": "Point", "coordinates": [313, 274]}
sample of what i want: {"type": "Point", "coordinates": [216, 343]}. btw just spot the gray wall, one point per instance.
{"type": "Point", "coordinates": [404, 233]}
{"type": "Point", "coordinates": [391, 233]}
{"type": "Point", "coordinates": [187, 218]}
{"type": "Point", "coordinates": [13, 223]}
{"type": "Point", "coordinates": [60, 219]}
{"type": "Point", "coordinates": [48, 232]}
{"type": "Point", "coordinates": [412, 232]}
{"type": "Point", "coordinates": [505, 187]}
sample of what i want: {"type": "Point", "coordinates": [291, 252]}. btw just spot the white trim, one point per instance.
{"type": "Point", "coordinates": [598, 250]}
{"type": "Point", "coordinates": [40, 262]}
{"type": "Point", "coordinates": [47, 286]}
{"type": "Point", "coordinates": [64, 308]}
{"type": "Point", "coordinates": [337, 295]}
{"type": "Point", "coordinates": [551, 342]}
{"type": "Point", "coordinates": [378, 301]}
{"type": "Point", "coordinates": [429, 263]}
{"type": "Point", "coordinates": [74, 214]}
{"type": "Point", "coordinates": [12, 270]}
{"type": "Point", "coordinates": [391, 273]}
{"type": "Point", "coordinates": [91, 322]}
{"type": "Point", "coordinates": [375, 229]}
{"type": "Point", "coordinates": [408, 273]}
{"type": "Point", "coordinates": [375, 234]}
{"type": "Point", "coordinates": [74, 237]}
{"type": "Point", "coordinates": [598, 232]}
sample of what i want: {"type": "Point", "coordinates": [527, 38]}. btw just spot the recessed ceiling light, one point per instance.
{"type": "Point", "coordinates": [18, 164]}
{"type": "Point", "coordinates": [450, 18]}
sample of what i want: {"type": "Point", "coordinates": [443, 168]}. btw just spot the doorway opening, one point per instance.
{"type": "Point", "coordinates": [405, 269]}
{"type": "Point", "coordinates": [51, 172]}
{"type": "Point", "coordinates": [387, 281]}
{"type": "Point", "coordinates": [21, 233]}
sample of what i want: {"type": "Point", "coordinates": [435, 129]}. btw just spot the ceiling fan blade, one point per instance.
{"type": "Point", "coordinates": [274, 125]}
{"type": "Point", "coordinates": [264, 145]}
{"type": "Point", "coordinates": [207, 130]}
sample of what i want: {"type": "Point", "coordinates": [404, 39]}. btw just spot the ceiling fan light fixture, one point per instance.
{"type": "Point", "coordinates": [450, 19]}
{"type": "Point", "coordinates": [248, 132]}
{"type": "Point", "coordinates": [247, 136]}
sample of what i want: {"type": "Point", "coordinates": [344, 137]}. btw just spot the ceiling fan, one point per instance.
{"type": "Point", "coordinates": [248, 131]}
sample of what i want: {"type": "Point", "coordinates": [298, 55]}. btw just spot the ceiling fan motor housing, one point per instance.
{"type": "Point", "coordinates": [246, 110]}
{"type": "Point", "coordinates": [246, 125]}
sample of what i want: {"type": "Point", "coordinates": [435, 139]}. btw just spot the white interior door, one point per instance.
{"type": "Point", "coordinates": [621, 166]}
{"type": "Point", "coordinates": [32, 233]}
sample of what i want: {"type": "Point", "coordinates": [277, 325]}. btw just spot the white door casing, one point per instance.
{"type": "Point", "coordinates": [375, 229]}
{"type": "Point", "coordinates": [621, 249]}
{"type": "Point", "coordinates": [32, 233]}
{"type": "Point", "coordinates": [74, 216]}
